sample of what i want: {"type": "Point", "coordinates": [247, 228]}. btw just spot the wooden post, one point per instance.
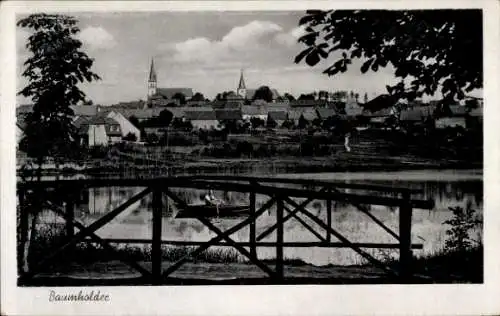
{"type": "Point", "coordinates": [156, 238]}
{"type": "Point", "coordinates": [405, 253]}
{"type": "Point", "coordinates": [23, 232]}
{"type": "Point", "coordinates": [328, 218]}
{"type": "Point", "coordinates": [279, 238]}
{"type": "Point", "coordinates": [70, 216]}
{"type": "Point", "coordinates": [253, 238]}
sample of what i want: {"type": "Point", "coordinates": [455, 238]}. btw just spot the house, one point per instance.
{"type": "Point", "coordinates": [234, 104]}
{"type": "Point", "coordinates": [140, 114]}
{"type": "Point", "coordinates": [278, 116]}
{"type": "Point", "coordinates": [252, 111]}
{"type": "Point", "coordinates": [308, 103]}
{"type": "Point", "coordinates": [218, 104]}
{"type": "Point", "coordinates": [308, 113]}
{"type": "Point", "coordinates": [279, 106]}
{"type": "Point", "coordinates": [224, 115]}
{"type": "Point", "coordinates": [416, 114]}
{"type": "Point", "coordinates": [202, 119]}
{"type": "Point", "coordinates": [474, 119]}
{"type": "Point", "coordinates": [259, 102]}
{"type": "Point", "coordinates": [24, 109]}
{"type": "Point", "coordinates": [457, 121]}
{"type": "Point", "coordinates": [87, 110]}
{"type": "Point", "coordinates": [457, 117]}
{"type": "Point", "coordinates": [196, 103]}
{"type": "Point", "coordinates": [458, 110]}
{"type": "Point", "coordinates": [19, 134]}
{"type": "Point", "coordinates": [324, 113]}
{"type": "Point", "coordinates": [352, 111]}
{"type": "Point", "coordinates": [380, 102]}
{"type": "Point", "coordinates": [378, 117]}
{"type": "Point", "coordinates": [99, 131]}
{"type": "Point", "coordinates": [126, 127]}
{"type": "Point", "coordinates": [129, 105]}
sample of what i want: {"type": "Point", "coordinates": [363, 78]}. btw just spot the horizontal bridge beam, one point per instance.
{"type": "Point", "coordinates": [277, 180]}
{"type": "Point", "coordinates": [191, 182]}
{"type": "Point", "coordinates": [304, 193]}
{"type": "Point", "coordinates": [322, 183]}
{"type": "Point", "coordinates": [297, 244]}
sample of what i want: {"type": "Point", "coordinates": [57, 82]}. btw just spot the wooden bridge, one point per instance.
{"type": "Point", "coordinates": [280, 192]}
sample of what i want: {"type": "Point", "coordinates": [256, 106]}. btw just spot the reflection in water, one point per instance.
{"type": "Point", "coordinates": [427, 228]}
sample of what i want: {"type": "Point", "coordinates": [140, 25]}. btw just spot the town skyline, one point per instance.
{"type": "Point", "coordinates": [203, 45]}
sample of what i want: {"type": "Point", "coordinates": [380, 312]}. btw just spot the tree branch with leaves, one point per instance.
{"type": "Point", "coordinates": [432, 50]}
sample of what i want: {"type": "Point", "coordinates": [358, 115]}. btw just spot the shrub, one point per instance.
{"type": "Point", "coordinates": [462, 222]}
{"type": "Point", "coordinates": [130, 137]}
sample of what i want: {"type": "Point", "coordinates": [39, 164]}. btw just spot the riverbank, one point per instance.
{"type": "Point", "coordinates": [345, 162]}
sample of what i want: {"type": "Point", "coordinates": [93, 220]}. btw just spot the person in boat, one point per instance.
{"type": "Point", "coordinates": [211, 200]}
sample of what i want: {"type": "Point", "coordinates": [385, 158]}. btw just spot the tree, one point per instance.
{"type": "Point", "coordinates": [54, 69]}
{"type": "Point", "coordinates": [180, 96]}
{"type": "Point", "coordinates": [165, 118]}
{"type": "Point", "coordinates": [271, 123]}
{"type": "Point", "coordinates": [323, 95]}
{"type": "Point", "coordinates": [306, 97]}
{"type": "Point", "coordinates": [130, 137]}
{"type": "Point", "coordinates": [365, 97]}
{"type": "Point", "coordinates": [289, 96]}
{"type": "Point", "coordinates": [263, 93]}
{"type": "Point", "coordinates": [198, 97]}
{"type": "Point", "coordinates": [135, 121]}
{"type": "Point", "coordinates": [432, 49]}
{"type": "Point", "coordinates": [288, 124]}
{"type": "Point", "coordinates": [257, 122]}
{"type": "Point", "coordinates": [302, 122]}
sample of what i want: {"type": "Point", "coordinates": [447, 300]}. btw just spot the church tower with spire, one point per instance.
{"type": "Point", "coordinates": [242, 90]}
{"type": "Point", "coordinates": [152, 82]}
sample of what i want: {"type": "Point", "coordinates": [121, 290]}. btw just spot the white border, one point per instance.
{"type": "Point", "coordinates": [257, 300]}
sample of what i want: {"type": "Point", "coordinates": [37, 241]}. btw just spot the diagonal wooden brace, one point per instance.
{"type": "Point", "coordinates": [340, 237]}
{"type": "Point", "coordinates": [268, 231]}
{"type": "Point", "coordinates": [102, 242]}
{"type": "Point", "coordinates": [219, 238]}
{"type": "Point", "coordinates": [307, 226]}
{"type": "Point", "coordinates": [370, 215]}
{"type": "Point", "coordinates": [87, 231]}
{"type": "Point", "coordinates": [242, 250]}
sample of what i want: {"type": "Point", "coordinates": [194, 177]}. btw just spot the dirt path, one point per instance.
{"type": "Point", "coordinates": [115, 272]}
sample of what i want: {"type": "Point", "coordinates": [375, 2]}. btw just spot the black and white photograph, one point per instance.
{"type": "Point", "coordinates": [248, 147]}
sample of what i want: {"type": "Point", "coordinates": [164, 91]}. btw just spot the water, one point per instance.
{"type": "Point", "coordinates": [447, 188]}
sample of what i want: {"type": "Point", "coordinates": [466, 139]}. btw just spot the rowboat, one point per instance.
{"type": "Point", "coordinates": [203, 210]}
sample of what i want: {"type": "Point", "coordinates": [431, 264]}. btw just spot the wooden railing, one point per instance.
{"type": "Point", "coordinates": [281, 196]}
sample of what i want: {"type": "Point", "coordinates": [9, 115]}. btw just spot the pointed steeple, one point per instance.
{"type": "Point", "coordinates": [152, 81]}
{"type": "Point", "coordinates": [241, 85]}
{"type": "Point", "coordinates": [242, 89]}
{"type": "Point", "coordinates": [152, 72]}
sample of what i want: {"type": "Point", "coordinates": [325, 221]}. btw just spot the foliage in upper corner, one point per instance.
{"type": "Point", "coordinates": [434, 49]}
{"type": "Point", "coordinates": [54, 69]}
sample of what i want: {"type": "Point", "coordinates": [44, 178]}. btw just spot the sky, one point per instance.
{"type": "Point", "coordinates": [204, 51]}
